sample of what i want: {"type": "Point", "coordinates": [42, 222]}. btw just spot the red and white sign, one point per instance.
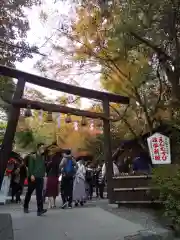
{"type": "Point", "coordinates": [159, 148]}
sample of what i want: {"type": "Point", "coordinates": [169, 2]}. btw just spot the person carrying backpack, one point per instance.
{"type": "Point", "coordinates": [68, 167]}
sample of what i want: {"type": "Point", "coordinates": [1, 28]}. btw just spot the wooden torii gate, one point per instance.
{"type": "Point", "coordinates": [18, 102]}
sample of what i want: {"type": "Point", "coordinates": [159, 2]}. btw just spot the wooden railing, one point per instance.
{"type": "Point", "coordinates": [133, 189]}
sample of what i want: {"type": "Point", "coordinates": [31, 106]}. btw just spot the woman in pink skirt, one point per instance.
{"type": "Point", "coordinates": [52, 187]}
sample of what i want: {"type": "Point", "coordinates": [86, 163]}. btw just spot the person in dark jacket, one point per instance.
{"type": "Point", "coordinates": [52, 170]}
{"type": "Point", "coordinates": [23, 176]}
{"type": "Point", "coordinates": [15, 184]}
{"type": "Point", "coordinates": [99, 183]}
{"type": "Point", "coordinates": [89, 181]}
{"type": "Point", "coordinates": [142, 164]}
{"type": "Point", "coordinates": [36, 173]}
{"type": "Point", "coordinates": [68, 168]}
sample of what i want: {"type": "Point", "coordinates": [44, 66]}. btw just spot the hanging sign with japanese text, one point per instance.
{"type": "Point", "coordinates": [159, 148]}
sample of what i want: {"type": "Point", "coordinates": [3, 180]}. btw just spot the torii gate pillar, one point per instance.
{"type": "Point", "coordinates": [107, 149]}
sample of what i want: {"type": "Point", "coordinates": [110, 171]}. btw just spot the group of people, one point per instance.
{"type": "Point", "coordinates": [76, 179]}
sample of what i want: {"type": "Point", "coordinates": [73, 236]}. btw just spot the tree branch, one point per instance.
{"type": "Point", "coordinates": [160, 91]}
{"type": "Point", "coordinates": [144, 107]}
{"type": "Point", "coordinates": [31, 50]}
{"type": "Point", "coordinates": [157, 49]}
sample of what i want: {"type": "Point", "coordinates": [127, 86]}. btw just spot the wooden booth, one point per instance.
{"type": "Point", "coordinates": [136, 189]}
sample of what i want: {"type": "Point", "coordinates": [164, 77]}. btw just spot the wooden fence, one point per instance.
{"type": "Point", "coordinates": [133, 189]}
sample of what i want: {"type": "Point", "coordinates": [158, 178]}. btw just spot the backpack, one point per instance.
{"type": "Point", "coordinates": [69, 169]}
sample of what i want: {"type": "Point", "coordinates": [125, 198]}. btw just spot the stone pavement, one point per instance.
{"type": "Point", "coordinates": [88, 223]}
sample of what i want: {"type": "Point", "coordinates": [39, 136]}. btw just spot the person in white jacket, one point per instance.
{"type": "Point", "coordinates": [79, 188]}
{"type": "Point", "coordinates": [115, 170]}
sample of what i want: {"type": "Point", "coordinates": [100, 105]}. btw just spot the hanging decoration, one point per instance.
{"type": "Point", "coordinates": [91, 125]}
{"type": "Point", "coordinates": [49, 117]}
{"type": "Point", "coordinates": [40, 115]}
{"type": "Point", "coordinates": [83, 121]}
{"type": "Point", "coordinates": [28, 112]}
{"type": "Point", "coordinates": [70, 99]}
{"type": "Point", "coordinates": [99, 124]}
{"type": "Point", "coordinates": [68, 118]}
{"type": "Point", "coordinates": [101, 130]}
{"type": "Point", "coordinates": [76, 126]}
{"type": "Point", "coordinates": [59, 120]}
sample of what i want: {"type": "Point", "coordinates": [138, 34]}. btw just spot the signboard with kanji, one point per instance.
{"type": "Point", "coordinates": [159, 148]}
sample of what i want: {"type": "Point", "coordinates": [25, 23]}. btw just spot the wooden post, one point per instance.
{"type": "Point", "coordinates": [107, 149]}
{"type": "Point", "coordinates": [13, 117]}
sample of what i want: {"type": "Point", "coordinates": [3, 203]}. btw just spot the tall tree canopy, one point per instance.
{"type": "Point", "coordinates": [13, 45]}
{"type": "Point", "coordinates": [125, 68]}
{"type": "Point", "coordinates": [14, 27]}
{"type": "Point", "coordinates": [152, 27]}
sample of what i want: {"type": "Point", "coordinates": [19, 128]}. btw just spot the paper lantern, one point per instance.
{"type": "Point", "coordinates": [68, 118]}
{"type": "Point", "coordinates": [49, 117]}
{"type": "Point", "coordinates": [83, 121]}
{"type": "Point", "coordinates": [70, 99]}
{"type": "Point", "coordinates": [28, 112]}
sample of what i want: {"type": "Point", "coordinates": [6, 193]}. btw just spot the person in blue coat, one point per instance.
{"type": "Point", "coordinates": [142, 164]}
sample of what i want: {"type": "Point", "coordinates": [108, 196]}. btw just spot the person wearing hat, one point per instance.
{"type": "Point", "coordinates": [68, 168]}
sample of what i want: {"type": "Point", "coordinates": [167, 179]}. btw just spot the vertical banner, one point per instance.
{"type": "Point", "coordinates": [91, 125]}
{"type": "Point", "coordinates": [76, 127]}
{"type": "Point", "coordinates": [159, 148]}
{"type": "Point", "coordinates": [59, 120]}
{"type": "Point", "coordinates": [41, 115]}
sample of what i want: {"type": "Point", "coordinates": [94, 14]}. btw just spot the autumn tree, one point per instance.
{"type": "Point", "coordinates": [153, 28]}
{"type": "Point", "coordinates": [13, 45]}
{"type": "Point", "coordinates": [149, 26]}
{"type": "Point", "coordinates": [124, 70]}
{"type": "Point", "coordinates": [99, 39]}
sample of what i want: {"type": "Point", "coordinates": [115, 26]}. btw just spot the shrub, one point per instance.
{"type": "Point", "coordinates": [167, 180]}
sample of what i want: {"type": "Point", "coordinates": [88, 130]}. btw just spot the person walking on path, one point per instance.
{"type": "Point", "coordinates": [89, 181]}
{"type": "Point", "coordinates": [52, 187]}
{"type": "Point", "coordinates": [36, 173]}
{"type": "Point", "coordinates": [15, 184]}
{"type": "Point", "coordinates": [79, 188]}
{"type": "Point", "coordinates": [116, 172]}
{"type": "Point", "coordinates": [23, 176]}
{"type": "Point", "coordinates": [99, 183]}
{"type": "Point", "coordinates": [142, 164]}
{"type": "Point", "coordinates": [68, 167]}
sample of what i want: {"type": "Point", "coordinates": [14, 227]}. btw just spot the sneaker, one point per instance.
{"type": "Point", "coordinates": [82, 203]}
{"type": "Point", "coordinates": [76, 204]}
{"type": "Point", "coordinates": [64, 205]}
{"type": "Point", "coordinates": [69, 205]}
{"type": "Point", "coordinates": [41, 212]}
{"type": "Point", "coordinates": [26, 210]}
